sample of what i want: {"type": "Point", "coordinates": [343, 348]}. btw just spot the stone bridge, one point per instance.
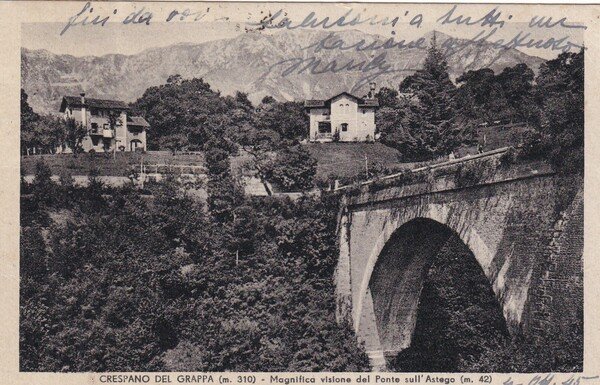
{"type": "Point", "coordinates": [522, 222]}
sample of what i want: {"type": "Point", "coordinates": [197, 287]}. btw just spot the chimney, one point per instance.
{"type": "Point", "coordinates": [372, 90]}
{"type": "Point", "coordinates": [82, 97]}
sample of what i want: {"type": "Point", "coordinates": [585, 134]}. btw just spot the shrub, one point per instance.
{"type": "Point", "coordinates": [469, 173]}
{"type": "Point", "coordinates": [293, 169]}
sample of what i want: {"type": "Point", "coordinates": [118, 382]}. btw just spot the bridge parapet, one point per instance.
{"type": "Point", "coordinates": [492, 167]}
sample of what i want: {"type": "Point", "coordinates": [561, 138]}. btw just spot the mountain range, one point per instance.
{"type": "Point", "coordinates": [248, 63]}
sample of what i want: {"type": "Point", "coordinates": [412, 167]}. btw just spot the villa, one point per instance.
{"type": "Point", "coordinates": [128, 133]}
{"type": "Point", "coordinates": [343, 117]}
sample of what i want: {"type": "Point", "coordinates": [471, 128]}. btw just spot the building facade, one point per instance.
{"type": "Point", "coordinates": [128, 133]}
{"type": "Point", "coordinates": [344, 118]}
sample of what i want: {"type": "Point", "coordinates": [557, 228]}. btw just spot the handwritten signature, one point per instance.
{"type": "Point", "coordinates": [279, 20]}
{"type": "Point", "coordinates": [548, 379]}
{"type": "Point", "coordinates": [334, 42]}
{"type": "Point", "coordinates": [489, 24]}
{"type": "Point", "coordinates": [369, 69]}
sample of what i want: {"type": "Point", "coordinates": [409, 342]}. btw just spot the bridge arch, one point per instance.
{"type": "Point", "coordinates": [467, 234]}
{"type": "Point", "coordinates": [386, 311]}
{"type": "Point", "coordinates": [513, 220]}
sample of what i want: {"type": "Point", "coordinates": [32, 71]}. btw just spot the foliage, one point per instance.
{"type": "Point", "coordinates": [470, 173]}
{"type": "Point", "coordinates": [560, 93]}
{"type": "Point", "coordinates": [484, 97]}
{"type": "Point", "coordinates": [75, 132]}
{"type": "Point", "coordinates": [288, 119]}
{"type": "Point", "coordinates": [131, 284]}
{"type": "Point", "coordinates": [40, 133]}
{"type": "Point", "coordinates": [459, 319]}
{"type": "Point", "coordinates": [223, 192]}
{"type": "Point", "coordinates": [293, 169]}
{"type": "Point", "coordinates": [387, 97]}
{"type": "Point", "coordinates": [422, 126]}
{"type": "Point", "coordinates": [186, 113]}
{"type": "Point", "coordinates": [434, 111]}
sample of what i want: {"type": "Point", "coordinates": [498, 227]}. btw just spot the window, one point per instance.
{"type": "Point", "coordinates": [135, 144]}
{"type": "Point", "coordinates": [344, 127]}
{"type": "Point", "coordinates": [324, 127]}
{"type": "Point", "coordinates": [94, 126]}
{"type": "Point", "coordinates": [106, 126]}
{"type": "Point", "coordinates": [94, 112]}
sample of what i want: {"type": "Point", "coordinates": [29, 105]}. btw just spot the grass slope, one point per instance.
{"type": "Point", "coordinates": [346, 160]}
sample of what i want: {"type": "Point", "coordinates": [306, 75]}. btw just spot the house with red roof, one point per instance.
{"type": "Point", "coordinates": [127, 133]}
{"type": "Point", "coordinates": [343, 117]}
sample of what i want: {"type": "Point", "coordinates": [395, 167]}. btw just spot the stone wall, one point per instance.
{"type": "Point", "coordinates": [507, 215]}
{"type": "Point", "coordinates": [559, 295]}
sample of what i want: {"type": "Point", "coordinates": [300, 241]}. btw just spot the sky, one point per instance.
{"type": "Point", "coordinates": [131, 39]}
{"type": "Point", "coordinates": [119, 38]}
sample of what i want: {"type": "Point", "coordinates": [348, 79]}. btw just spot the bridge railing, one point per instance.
{"type": "Point", "coordinates": [402, 174]}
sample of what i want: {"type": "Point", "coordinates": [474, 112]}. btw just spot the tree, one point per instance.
{"type": "Point", "coordinates": [387, 97]}
{"type": "Point", "coordinates": [560, 94]}
{"type": "Point", "coordinates": [187, 113]}
{"type": "Point", "coordinates": [223, 191]}
{"type": "Point", "coordinates": [133, 285]}
{"type": "Point", "coordinates": [28, 120]}
{"type": "Point", "coordinates": [517, 86]}
{"type": "Point", "coordinates": [480, 97]}
{"type": "Point", "coordinates": [293, 169]}
{"type": "Point", "coordinates": [288, 119]}
{"type": "Point", "coordinates": [430, 130]}
{"type": "Point", "coordinates": [268, 99]}
{"type": "Point", "coordinates": [75, 132]}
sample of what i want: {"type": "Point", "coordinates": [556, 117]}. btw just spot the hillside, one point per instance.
{"type": "Point", "coordinates": [238, 64]}
{"type": "Point", "coordinates": [347, 160]}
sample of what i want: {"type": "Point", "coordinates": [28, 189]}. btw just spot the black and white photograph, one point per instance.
{"type": "Point", "coordinates": [302, 187]}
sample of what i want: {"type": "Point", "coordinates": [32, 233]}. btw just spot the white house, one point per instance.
{"type": "Point", "coordinates": [344, 117]}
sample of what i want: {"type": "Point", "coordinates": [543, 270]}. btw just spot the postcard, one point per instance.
{"type": "Point", "coordinates": [299, 193]}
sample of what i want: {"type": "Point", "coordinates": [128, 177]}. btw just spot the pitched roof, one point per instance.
{"type": "Point", "coordinates": [315, 103]}
{"type": "Point", "coordinates": [75, 101]}
{"type": "Point", "coordinates": [137, 121]}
